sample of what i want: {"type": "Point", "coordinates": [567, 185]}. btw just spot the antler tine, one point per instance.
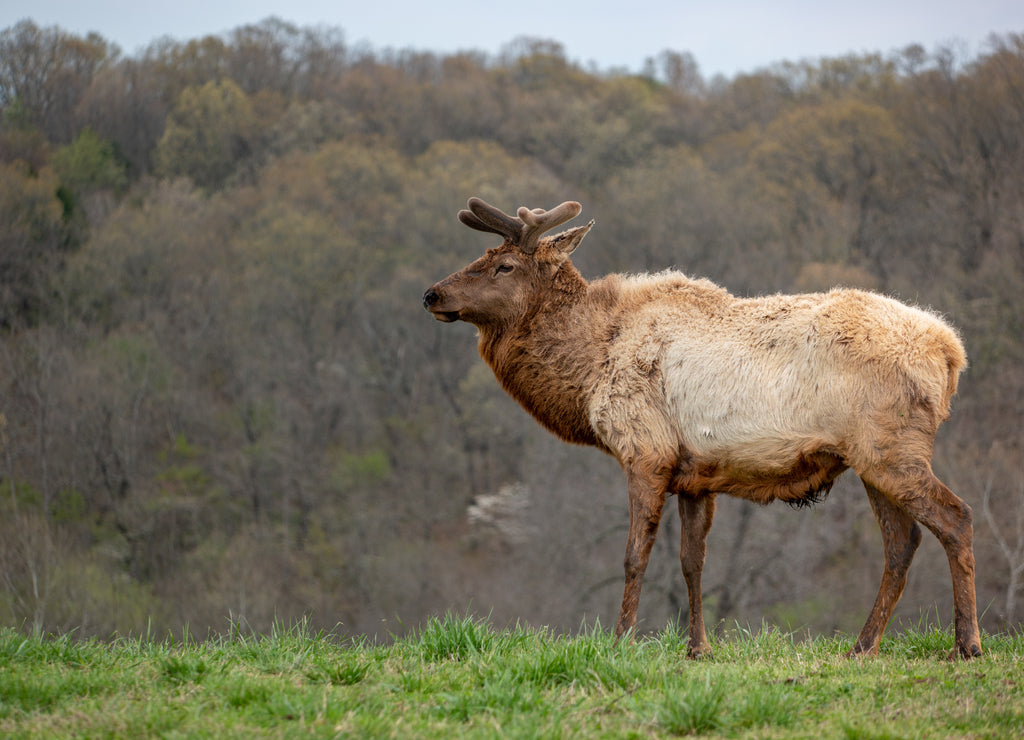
{"type": "Point", "coordinates": [483, 216]}
{"type": "Point", "coordinates": [538, 221]}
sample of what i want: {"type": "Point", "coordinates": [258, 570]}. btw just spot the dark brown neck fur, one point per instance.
{"type": "Point", "coordinates": [545, 360]}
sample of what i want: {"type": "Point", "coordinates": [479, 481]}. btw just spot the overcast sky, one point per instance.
{"type": "Point", "coordinates": [725, 37]}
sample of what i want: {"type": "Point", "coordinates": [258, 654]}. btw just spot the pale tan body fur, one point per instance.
{"type": "Point", "coordinates": [755, 383]}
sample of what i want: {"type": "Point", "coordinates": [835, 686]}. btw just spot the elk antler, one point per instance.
{"type": "Point", "coordinates": [538, 221]}
{"type": "Point", "coordinates": [524, 231]}
{"type": "Point", "coordinates": [485, 217]}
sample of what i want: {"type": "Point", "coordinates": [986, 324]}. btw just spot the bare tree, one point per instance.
{"type": "Point", "coordinates": [1011, 545]}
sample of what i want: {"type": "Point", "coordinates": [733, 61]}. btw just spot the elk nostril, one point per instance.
{"type": "Point", "coordinates": [430, 298]}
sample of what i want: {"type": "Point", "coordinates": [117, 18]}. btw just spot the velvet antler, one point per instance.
{"type": "Point", "coordinates": [525, 231]}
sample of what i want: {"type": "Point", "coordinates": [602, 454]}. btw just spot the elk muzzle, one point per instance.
{"type": "Point", "coordinates": [431, 299]}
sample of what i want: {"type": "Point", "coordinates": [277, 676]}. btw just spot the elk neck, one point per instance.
{"type": "Point", "coordinates": [547, 360]}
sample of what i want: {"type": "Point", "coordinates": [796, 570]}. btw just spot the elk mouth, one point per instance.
{"type": "Point", "coordinates": [446, 316]}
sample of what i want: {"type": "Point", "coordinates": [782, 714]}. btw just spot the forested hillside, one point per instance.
{"type": "Point", "coordinates": [221, 399]}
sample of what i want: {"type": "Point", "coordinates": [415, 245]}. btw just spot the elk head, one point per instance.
{"type": "Point", "coordinates": [500, 286]}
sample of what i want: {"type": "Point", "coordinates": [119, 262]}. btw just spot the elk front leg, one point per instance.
{"type": "Point", "coordinates": [696, 514]}
{"type": "Point", "coordinates": [646, 501]}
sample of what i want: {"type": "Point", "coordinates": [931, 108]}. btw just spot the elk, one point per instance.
{"type": "Point", "coordinates": [697, 392]}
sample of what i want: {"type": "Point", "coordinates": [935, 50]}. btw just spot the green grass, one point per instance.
{"type": "Point", "coordinates": [459, 677]}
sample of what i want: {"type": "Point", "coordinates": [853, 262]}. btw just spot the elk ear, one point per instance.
{"type": "Point", "coordinates": [565, 243]}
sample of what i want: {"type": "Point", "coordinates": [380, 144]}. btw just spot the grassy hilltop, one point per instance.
{"type": "Point", "coordinates": [459, 677]}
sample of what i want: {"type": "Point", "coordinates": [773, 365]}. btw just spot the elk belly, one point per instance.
{"type": "Point", "coordinates": [805, 480]}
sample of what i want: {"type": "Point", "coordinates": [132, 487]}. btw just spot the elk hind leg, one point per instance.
{"type": "Point", "coordinates": [949, 518]}
{"type": "Point", "coordinates": [696, 514]}
{"type": "Point", "coordinates": [900, 538]}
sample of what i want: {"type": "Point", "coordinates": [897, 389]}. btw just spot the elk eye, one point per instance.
{"type": "Point", "coordinates": [503, 269]}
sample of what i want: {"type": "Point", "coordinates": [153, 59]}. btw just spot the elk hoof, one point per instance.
{"type": "Point", "coordinates": [966, 652]}
{"type": "Point", "coordinates": [700, 653]}
{"type": "Point", "coordinates": [858, 651]}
